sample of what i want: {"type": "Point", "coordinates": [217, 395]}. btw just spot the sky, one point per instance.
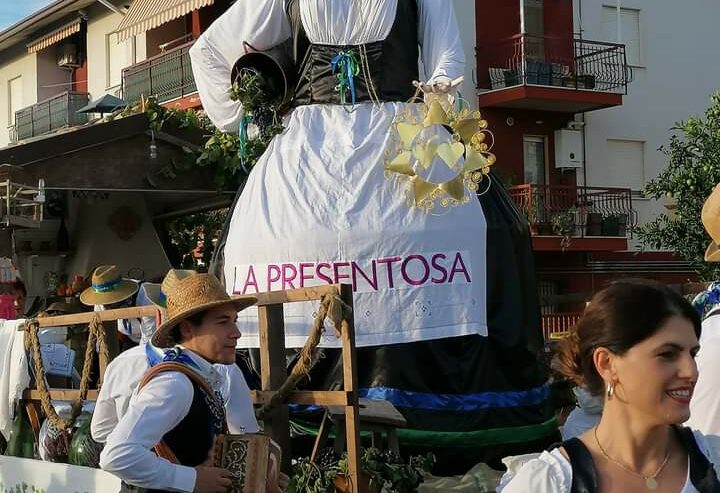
{"type": "Point", "coordinates": [12, 11]}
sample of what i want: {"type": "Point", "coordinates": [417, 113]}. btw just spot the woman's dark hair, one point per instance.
{"type": "Point", "coordinates": [618, 317]}
{"type": "Point", "coordinates": [196, 319]}
{"type": "Point", "coordinates": [18, 285]}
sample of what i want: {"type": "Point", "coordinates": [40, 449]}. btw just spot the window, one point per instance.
{"type": "Point", "coordinates": [534, 159]}
{"type": "Point", "coordinates": [535, 29]}
{"type": "Point", "coordinates": [629, 34]}
{"type": "Point", "coordinates": [117, 57]}
{"type": "Point", "coordinates": [15, 98]}
{"type": "Point", "coordinates": [625, 165]}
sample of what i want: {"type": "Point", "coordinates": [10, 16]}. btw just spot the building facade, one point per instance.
{"type": "Point", "coordinates": [580, 95]}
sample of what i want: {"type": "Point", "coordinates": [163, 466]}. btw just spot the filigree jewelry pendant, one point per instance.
{"type": "Point", "coordinates": [651, 483]}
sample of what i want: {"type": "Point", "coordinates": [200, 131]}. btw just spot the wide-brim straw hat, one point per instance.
{"type": "Point", "coordinates": [710, 216]}
{"type": "Point", "coordinates": [157, 293]}
{"type": "Point", "coordinates": [194, 294]}
{"type": "Point", "coordinates": [108, 287]}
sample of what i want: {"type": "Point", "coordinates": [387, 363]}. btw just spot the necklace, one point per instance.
{"type": "Point", "coordinates": [650, 481]}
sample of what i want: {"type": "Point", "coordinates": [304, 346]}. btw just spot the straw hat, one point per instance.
{"type": "Point", "coordinates": [157, 293]}
{"type": "Point", "coordinates": [710, 216]}
{"type": "Point", "coordinates": [108, 287]}
{"type": "Point", "coordinates": [194, 294]}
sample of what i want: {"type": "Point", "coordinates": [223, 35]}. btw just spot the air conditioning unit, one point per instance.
{"type": "Point", "coordinates": [69, 56]}
{"type": "Point", "coordinates": [568, 149]}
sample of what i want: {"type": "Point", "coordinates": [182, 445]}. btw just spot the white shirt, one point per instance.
{"type": "Point", "coordinates": [158, 408]}
{"type": "Point", "coordinates": [264, 24]}
{"type": "Point", "coordinates": [551, 472]}
{"type": "Point", "coordinates": [121, 378]}
{"type": "Point", "coordinates": [705, 403]}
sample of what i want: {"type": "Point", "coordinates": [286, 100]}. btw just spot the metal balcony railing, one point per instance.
{"type": "Point", "coordinates": [571, 211]}
{"type": "Point", "coordinates": [557, 325]}
{"type": "Point", "coordinates": [526, 59]}
{"type": "Point", "coordinates": [165, 77]}
{"type": "Point", "coordinates": [53, 113]}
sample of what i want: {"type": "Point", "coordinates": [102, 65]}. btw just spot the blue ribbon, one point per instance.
{"type": "Point", "coordinates": [449, 402]}
{"type": "Point", "coordinates": [157, 355]}
{"type": "Point", "coordinates": [243, 141]}
{"type": "Point", "coordinates": [107, 286]}
{"type": "Point", "coordinates": [706, 300]}
{"type": "Point", "coordinates": [348, 68]}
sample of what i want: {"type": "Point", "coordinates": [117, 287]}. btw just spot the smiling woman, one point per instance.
{"type": "Point", "coordinates": [635, 346]}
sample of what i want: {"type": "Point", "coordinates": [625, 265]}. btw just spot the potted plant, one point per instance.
{"type": "Point", "coordinates": [563, 224]}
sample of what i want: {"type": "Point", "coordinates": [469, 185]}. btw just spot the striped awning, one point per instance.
{"type": "Point", "coordinates": [144, 15]}
{"type": "Point", "coordinates": [57, 35]}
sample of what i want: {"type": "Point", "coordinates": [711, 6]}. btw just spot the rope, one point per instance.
{"type": "Point", "coordinates": [96, 332]}
{"type": "Point", "coordinates": [330, 306]}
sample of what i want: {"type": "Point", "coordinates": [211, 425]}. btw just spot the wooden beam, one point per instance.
{"type": "Point", "coordinates": [350, 380]}
{"type": "Point", "coordinates": [316, 397]}
{"type": "Point", "coordinates": [273, 373]}
{"type": "Point", "coordinates": [105, 316]}
{"type": "Point", "coordinates": [60, 394]}
{"type": "Point", "coordinates": [297, 295]}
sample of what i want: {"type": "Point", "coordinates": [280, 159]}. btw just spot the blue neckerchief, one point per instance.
{"type": "Point", "coordinates": [706, 300]}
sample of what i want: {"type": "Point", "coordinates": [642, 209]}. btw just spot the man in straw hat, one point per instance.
{"type": "Point", "coordinates": [705, 402]}
{"type": "Point", "coordinates": [109, 290]}
{"type": "Point", "coordinates": [182, 410]}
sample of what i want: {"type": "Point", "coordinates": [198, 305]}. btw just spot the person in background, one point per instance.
{"type": "Point", "coordinates": [20, 293]}
{"type": "Point", "coordinates": [635, 345]}
{"type": "Point", "coordinates": [122, 377]}
{"type": "Point", "coordinates": [705, 404]}
{"type": "Point", "coordinates": [109, 291]}
{"type": "Point", "coordinates": [585, 415]}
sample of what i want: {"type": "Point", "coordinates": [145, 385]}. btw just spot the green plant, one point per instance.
{"type": "Point", "coordinates": [693, 169]}
{"type": "Point", "coordinates": [228, 157]}
{"type": "Point", "coordinates": [389, 473]}
{"type": "Point", "coordinates": [386, 472]}
{"type": "Point", "coordinates": [563, 224]}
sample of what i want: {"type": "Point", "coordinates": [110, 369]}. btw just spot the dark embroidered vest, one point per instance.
{"type": "Point", "coordinates": [392, 63]}
{"type": "Point", "coordinates": [192, 438]}
{"type": "Point", "coordinates": [584, 476]}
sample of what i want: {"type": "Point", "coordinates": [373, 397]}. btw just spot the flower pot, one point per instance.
{"type": "Point", "coordinates": [342, 484]}
{"type": "Point", "coordinates": [594, 224]}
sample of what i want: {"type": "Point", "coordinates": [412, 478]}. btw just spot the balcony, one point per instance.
{"type": "Point", "coordinates": [576, 218]}
{"type": "Point", "coordinates": [51, 114]}
{"type": "Point", "coordinates": [555, 326]}
{"type": "Point", "coordinates": [166, 77]}
{"type": "Point", "coordinates": [552, 74]}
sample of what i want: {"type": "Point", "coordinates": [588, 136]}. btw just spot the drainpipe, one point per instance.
{"type": "Point", "coordinates": [618, 10]}
{"type": "Point", "coordinates": [523, 32]}
{"type": "Point", "coordinates": [112, 7]}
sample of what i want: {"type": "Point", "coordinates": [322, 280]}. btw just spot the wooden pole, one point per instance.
{"type": "Point", "coordinates": [273, 373]}
{"type": "Point", "coordinates": [350, 378]}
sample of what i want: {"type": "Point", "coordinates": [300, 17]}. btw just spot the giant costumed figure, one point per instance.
{"type": "Point", "coordinates": [370, 186]}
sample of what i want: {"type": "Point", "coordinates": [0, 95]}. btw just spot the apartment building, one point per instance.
{"type": "Point", "coordinates": [580, 94]}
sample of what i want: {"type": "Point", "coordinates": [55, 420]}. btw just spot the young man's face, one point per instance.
{"type": "Point", "coordinates": [216, 337]}
{"type": "Point", "coordinates": [19, 302]}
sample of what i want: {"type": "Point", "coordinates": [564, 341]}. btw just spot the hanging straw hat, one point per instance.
{"type": "Point", "coordinates": [108, 287]}
{"type": "Point", "coordinates": [157, 293]}
{"type": "Point", "coordinates": [194, 294]}
{"type": "Point", "coordinates": [710, 216]}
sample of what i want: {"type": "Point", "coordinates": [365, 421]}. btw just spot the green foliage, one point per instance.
{"type": "Point", "coordinates": [563, 224]}
{"type": "Point", "coordinates": [389, 473]}
{"type": "Point", "coordinates": [692, 171]}
{"type": "Point", "coordinates": [187, 232]}
{"type": "Point", "coordinates": [386, 472]}
{"type": "Point", "coordinates": [220, 154]}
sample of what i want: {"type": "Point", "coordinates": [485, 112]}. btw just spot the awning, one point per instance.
{"type": "Point", "coordinates": [57, 35]}
{"type": "Point", "coordinates": [144, 15]}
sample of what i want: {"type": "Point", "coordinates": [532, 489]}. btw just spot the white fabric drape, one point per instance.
{"type": "Point", "coordinates": [317, 207]}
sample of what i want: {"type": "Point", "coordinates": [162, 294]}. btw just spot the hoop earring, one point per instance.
{"type": "Point", "coordinates": [610, 390]}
